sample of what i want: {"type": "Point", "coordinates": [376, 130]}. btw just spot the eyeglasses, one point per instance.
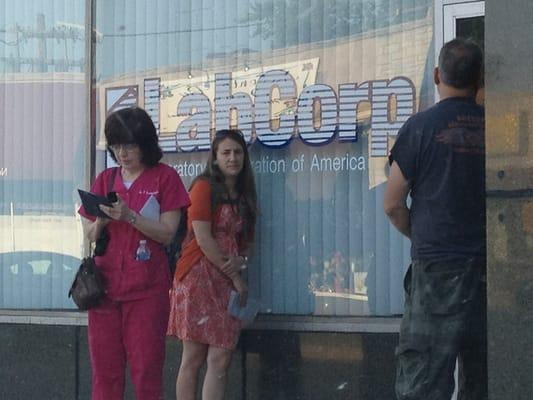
{"type": "Point", "coordinates": [115, 148]}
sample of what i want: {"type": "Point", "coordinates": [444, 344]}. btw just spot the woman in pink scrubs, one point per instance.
{"type": "Point", "coordinates": [129, 326]}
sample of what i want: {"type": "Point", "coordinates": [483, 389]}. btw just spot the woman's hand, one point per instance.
{"type": "Point", "coordinates": [161, 231]}
{"type": "Point", "coordinates": [233, 265]}
{"type": "Point", "coordinates": [93, 229]}
{"type": "Point", "coordinates": [242, 289]}
{"type": "Point", "coordinates": [119, 211]}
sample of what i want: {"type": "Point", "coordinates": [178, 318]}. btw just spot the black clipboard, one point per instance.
{"type": "Point", "coordinates": [91, 203]}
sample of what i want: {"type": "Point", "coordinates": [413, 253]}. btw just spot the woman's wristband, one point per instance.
{"type": "Point", "coordinates": [132, 219]}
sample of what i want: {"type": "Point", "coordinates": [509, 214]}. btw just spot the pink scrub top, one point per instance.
{"type": "Point", "coordinates": [127, 278]}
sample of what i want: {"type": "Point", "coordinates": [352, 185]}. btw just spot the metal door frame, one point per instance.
{"type": "Point", "coordinates": [446, 14]}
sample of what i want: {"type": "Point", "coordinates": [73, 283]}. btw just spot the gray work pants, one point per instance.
{"type": "Point", "coordinates": [444, 321]}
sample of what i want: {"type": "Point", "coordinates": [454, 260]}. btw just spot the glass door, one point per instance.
{"type": "Point", "coordinates": [462, 19]}
{"type": "Point", "coordinates": [459, 18]}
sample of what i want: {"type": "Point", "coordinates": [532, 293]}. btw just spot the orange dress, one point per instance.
{"type": "Point", "coordinates": [199, 299]}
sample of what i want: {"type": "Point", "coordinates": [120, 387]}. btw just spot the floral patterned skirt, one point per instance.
{"type": "Point", "coordinates": [198, 308]}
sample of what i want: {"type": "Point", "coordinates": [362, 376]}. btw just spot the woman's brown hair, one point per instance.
{"type": "Point", "coordinates": [245, 185]}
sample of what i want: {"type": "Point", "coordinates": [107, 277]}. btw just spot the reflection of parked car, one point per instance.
{"type": "Point", "coordinates": [36, 279]}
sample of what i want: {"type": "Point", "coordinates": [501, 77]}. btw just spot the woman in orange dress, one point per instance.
{"type": "Point", "coordinates": [221, 221]}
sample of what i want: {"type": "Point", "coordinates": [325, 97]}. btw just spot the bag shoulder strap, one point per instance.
{"type": "Point", "coordinates": [110, 185]}
{"type": "Point", "coordinates": [112, 177]}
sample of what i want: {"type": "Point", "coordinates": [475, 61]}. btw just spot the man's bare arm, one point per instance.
{"type": "Point", "coordinates": [395, 203]}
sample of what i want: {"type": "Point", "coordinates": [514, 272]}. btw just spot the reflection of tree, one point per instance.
{"type": "Point", "coordinates": [62, 38]}
{"type": "Point", "coordinates": [327, 19]}
{"type": "Point", "coordinates": [473, 29]}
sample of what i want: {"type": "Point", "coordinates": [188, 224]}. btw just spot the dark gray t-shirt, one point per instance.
{"type": "Point", "coordinates": [441, 152]}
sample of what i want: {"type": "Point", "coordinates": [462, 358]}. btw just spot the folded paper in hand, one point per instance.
{"type": "Point", "coordinates": [246, 313]}
{"type": "Point", "coordinates": [151, 209]}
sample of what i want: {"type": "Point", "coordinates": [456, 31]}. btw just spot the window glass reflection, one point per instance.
{"type": "Point", "coordinates": [43, 156]}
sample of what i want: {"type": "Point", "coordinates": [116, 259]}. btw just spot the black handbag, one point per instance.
{"type": "Point", "coordinates": [88, 288]}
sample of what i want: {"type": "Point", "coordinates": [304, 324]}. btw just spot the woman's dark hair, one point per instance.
{"type": "Point", "coordinates": [245, 185]}
{"type": "Point", "coordinates": [133, 126]}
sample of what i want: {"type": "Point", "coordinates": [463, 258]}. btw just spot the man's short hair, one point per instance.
{"type": "Point", "coordinates": [461, 64]}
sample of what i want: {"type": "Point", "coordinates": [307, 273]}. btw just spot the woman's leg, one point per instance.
{"type": "Point", "coordinates": [108, 358]}
{"type": "Point", "coordinates": [192, 358]}
{"type": "Point", "coordinates": [218, 360]}
{"type": "Point", "coordinates": [144, 324]}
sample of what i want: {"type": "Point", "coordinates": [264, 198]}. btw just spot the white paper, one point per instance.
{"type": "Point", "coordinates": [151, 209]}
{"type": "Point", "coordinates": [246, 313]}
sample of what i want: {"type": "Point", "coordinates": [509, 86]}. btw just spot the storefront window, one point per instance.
{"type": "Point", "coordinates": [43, 149]}
{"type": "Point", "coordinates": [320, 89]}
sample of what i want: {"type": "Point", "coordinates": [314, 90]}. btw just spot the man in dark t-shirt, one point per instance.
{"type": "Point", "coordinates": [439, 160]}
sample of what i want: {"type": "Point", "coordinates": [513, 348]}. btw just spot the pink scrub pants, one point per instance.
{"type": "Point", "coordinates": [132, 333]}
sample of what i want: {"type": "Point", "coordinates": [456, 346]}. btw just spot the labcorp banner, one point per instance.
{"type": "Point", "coordinates": [272, 105]}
